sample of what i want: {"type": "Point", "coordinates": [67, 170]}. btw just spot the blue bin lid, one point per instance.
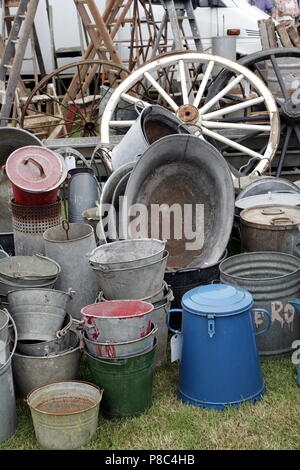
{"type": "Point", "coordinates": [217, 298]}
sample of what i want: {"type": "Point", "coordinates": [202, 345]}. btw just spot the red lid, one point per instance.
{"type": "Point", "coordinates": [35, 169]}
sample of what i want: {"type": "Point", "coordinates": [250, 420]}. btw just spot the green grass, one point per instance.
{"type": "Point", "coordinates": [272, 423]}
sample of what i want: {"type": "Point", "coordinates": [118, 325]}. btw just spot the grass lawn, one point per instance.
{"type": "Point", "coordinates": [273, 423]}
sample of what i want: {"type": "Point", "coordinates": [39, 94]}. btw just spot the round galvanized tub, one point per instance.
{"type": "Point", "coordinates": [51, 347]}
{"type": "Point", "coordinates": [153, 123]}
{"type": "Point", "coordinates": [107, 227]}
{"type": "Point", "coordinates": [35, 319]}
{"type": "Point", "coordinates": [117, 321]}
{"type": "Point", "coordinates": [8, 413]}
{"type": "Point", "coordinates": [71, 255]}
{"type": "Point", "coordinates": [120, 350]}
{"type": "Point", "coordinates": [188, 177]}
{"type": "Point", "coordinates": [17, 272]}
{"type": "Point", "coordinates": [127, 383]}
{"type": "Point", "coordinates": [65, 414]}
{"type": "Point", "coordinates": [270, 228]}
{"type": "Point", "coordinates": [31, 372]}
{"type": "Point", "coordinates": [127, 253]}
{"type": "Point", "coordinates": [273, 279]}
{"type": "Point", "coordinates": [133, 282]}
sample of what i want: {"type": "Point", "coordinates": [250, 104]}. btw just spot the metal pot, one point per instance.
{"type": "Point", "coordinates": [270, 228]}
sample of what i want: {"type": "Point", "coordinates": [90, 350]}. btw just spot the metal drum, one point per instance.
{"type": "Point", "coordinates": [220, 364]}
{"type": "Point", "coordinates": [273, 279]}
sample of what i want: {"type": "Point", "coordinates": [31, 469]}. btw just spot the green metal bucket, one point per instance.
{"type": "Point", "coordinates": [127, 383]}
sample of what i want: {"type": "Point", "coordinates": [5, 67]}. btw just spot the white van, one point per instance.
{"type": "Point", "coordinates": [214, 17]}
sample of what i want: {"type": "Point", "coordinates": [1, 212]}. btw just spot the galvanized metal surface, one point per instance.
{"type": "Point", "coordinates": [270, 228]}
{"type": "Point", "coordinates": [181, 170]}
{"type": "Point", "coordinates": [83, 192]}
{"type": "Point", "coordinates": [4, 321]}
{"type": "Point", "coordinates": [264, 185]}
{"type": "Point", "coordinates": [273, 279]}
{"type": "Point", "coordinates": [291, 199]}
{"type": "Point", "coordinates": [8, 422]}
{"type": "Point", "coordinates": [91, 216]}
{"type": "Point", "coordinates": [122, 349]}
{"type": "Point", "coordinates": [71, 407]}
{"type": "Point", "coordinates": [133, 282]}
{"type": "Point", "coordinates": [18, 272]}
{"type": "Point", "coordinates": [29, 223]}
{"type": "Point", "coordinates": [127, 383]}
{"type": "Point", "coordinates": [127, 253]}
{"type": "Point", "coordinates": [153, 123]}
{"type": "Point", "coordinates": [32, 372]}
{"type": "Point", "coordinates": [117, 321]}
{"type": "Point", "coordinates": [59, 345]}
{"type": "Point", "coordinates": [71, 255]}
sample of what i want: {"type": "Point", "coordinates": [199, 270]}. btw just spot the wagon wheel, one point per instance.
{"type": "Point", "coordinates": [181, 81]}
{"type": "Point", "coordinates": [277, 68]}
{"type": "Point", "coordinates": [69, 101]}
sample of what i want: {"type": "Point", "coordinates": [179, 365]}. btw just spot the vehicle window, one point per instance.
{"type": "Point", "coordinates": [210, 3]}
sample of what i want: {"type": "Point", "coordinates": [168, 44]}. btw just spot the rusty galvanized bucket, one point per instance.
{"type": "Point", "coordinates": [273, 279]}
{"type": "Point", "coordinates": [65, 414]}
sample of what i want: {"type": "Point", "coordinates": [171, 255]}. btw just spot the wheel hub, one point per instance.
{"type": "Point", "coordinates": [89, 126]}
{"type": "Point", "coordinates": [290, 111]}
{"type": "Point", "coordinates": [188, 113]}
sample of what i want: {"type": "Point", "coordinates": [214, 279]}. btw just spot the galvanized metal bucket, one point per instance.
{"type": "Point", "coordinates": [58, 345]}
{"type": "Point", "coordinates": [18, 272]}
{"type": "Point", "coordinates": [91, 216]}
{"type": "Point", "coordinates": [83, 192]}
{"type": "Point", "coordinates": [8, 422]}
{"type": "Point", "coordinates": [31, 372]}
{"type": "Point", "coordinates": [127, 253]}
{"type": "Point", "coordinates": [132, 282]}
{"type": "Point", "coordinates": [70, 249]}
{"type": "Point", "coordinates": [65, 414]}
{"type": "Point", "coordinates": [117, 321]}
{"type": "Point", "coordinates": [152, 299]}
{"type": "Point", "coordinates": [122, 349]}
{"type": "Point", "coordinates": [4, 321]}
{"type": "Point", "coordinates": [127, 383]}
{"type": "Point", "coordinates": [153, 123]}
{"type": "Point", "coordinates": [273, 279]}
{"type": "Point", "coordinates": [41, 315]}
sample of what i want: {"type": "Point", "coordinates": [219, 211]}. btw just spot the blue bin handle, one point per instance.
{"type": "Point", "coordinates": [177, 332]}
{"type": "Point", "coordinates": [269, 320]}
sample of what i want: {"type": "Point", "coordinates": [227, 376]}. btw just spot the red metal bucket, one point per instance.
{"type": "Point", "coordinates": [117, 321]}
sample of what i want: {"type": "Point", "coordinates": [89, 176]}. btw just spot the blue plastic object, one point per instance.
{"type": "Point", "coordinates": [220, 363]}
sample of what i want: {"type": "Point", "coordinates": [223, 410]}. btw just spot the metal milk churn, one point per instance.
{"type": "Point", "coordinates": [220, 363]}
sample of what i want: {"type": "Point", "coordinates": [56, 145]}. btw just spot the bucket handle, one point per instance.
{"type": "Point", "coordinates": [37, 165]}
{"type": "Point", "coordinates": [262, 310]}
{"type": "Point", "coordinates": [177, 332]}
{"type": "Point", "coordinates": [16, 337]}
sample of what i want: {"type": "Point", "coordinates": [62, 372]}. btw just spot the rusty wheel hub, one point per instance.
{"type": "Point", "coordinates": [188, 113]}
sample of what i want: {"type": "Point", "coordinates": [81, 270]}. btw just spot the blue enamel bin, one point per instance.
{"type": "Point", "coordinates": [220, 363]}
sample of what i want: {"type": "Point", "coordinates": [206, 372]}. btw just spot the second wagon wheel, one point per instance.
{"type": "Point", "coordinates": [69, 101]}
{"type": "Point", "coordinates": [181, 81]}
{"type": "Point", "coordinates": [280, 70]}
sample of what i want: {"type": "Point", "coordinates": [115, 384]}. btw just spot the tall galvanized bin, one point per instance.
{"type": "Point", "coordinates": [273, 279]}
{"type": "Point", "coordinates": [70, 248]}
{"type": "Point", "coordinates": [220, 364]}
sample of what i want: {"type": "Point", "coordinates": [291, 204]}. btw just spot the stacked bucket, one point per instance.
{"type": "Point", "coordinates": [47, 350]}
{"type": "Point", "coordinates": [124, 333]}
{"type": "Point", "coordinates": [36, 174]}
